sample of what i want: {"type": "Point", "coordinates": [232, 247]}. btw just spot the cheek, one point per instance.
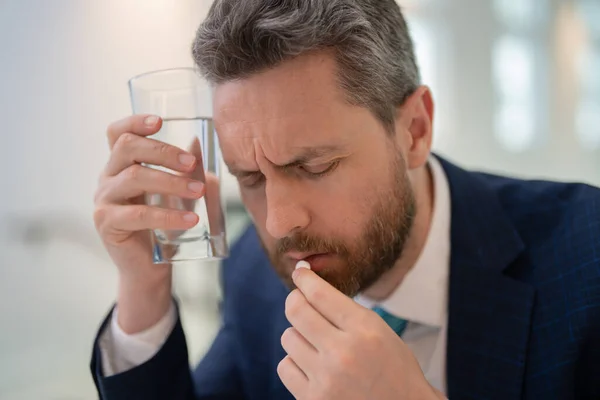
{"type": "Point", "coordinates": [345, 209]}
{"type": "Point", "coordinates": [360, 186]}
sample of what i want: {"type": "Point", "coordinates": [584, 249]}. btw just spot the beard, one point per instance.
{"type": "Point", "coordinates": [366, 259]}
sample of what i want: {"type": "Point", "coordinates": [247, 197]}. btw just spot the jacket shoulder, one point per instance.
{"type": "Point", "coordinates": [560, 226]}
{"type": "Point", "coordinates": [541, 208]}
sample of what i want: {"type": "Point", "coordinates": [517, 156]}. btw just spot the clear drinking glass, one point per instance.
{"type": "Point", "coordinates": [183, 99]}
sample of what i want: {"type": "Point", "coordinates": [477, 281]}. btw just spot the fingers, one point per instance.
{"type": "Point", "coordinates": [310, 324]}
{"type": "Point", "coordinates": [332, 304]}
{"type": "Point", "coordinates": [292, 377]}
{"type": "Point", "coordinates": [137, 180]}
{"type": "Point", "coordinates": [299, 349]}
{"type": "Point", "coordinates": [131, 149]}
{"type": "Point", "coordinates": [129, 218]}
{"type": "Point", "coordinates": [142, 125]}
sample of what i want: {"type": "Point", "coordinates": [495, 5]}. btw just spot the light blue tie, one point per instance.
{"type": "Point", "coordinates": [397, 324]}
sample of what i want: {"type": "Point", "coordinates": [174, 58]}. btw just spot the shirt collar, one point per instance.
{"type": "Point", "coordinates": [422, 296]}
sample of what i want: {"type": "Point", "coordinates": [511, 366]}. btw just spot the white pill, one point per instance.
{"type": "Point", "coordinates": [302, 264]}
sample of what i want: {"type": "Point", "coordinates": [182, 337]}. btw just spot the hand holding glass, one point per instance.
{"type": "Point", "coordinates": [184, 102]}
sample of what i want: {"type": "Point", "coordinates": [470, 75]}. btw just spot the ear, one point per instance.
{"type": "Point", "coordinates": [414, 127]}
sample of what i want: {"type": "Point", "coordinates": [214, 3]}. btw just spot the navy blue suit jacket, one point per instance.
{"type": "Point", "coordinates": [524, 305]}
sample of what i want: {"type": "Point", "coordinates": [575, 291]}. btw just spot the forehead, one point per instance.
{"type": "Point", "coordinates": [294, 105]}
{"type": "Point", "coordinates": [304, 85]}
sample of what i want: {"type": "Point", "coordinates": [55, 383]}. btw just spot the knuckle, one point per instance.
{"type": "Point", "coordinates": [316, 294]}
{"type": "Point", "coordinates": [369, 318]}
{"type": "Point", "coordinates": [133, 172]}
{"type": "Point", "coordinates": [100, 217]}
{"type": "Point", "coordinates": [371, 339]}
{"type": "Point", "coordinates": [101, 191]}
{"type": "Point", "coordinates": [162, 148]}
{"type": "Point", "coordinates": [124, 140]}
{"type": "Point", "coordinates": [139, 213]}
{"type": "Point", "coordinates": [112, 130]}
{"type": "Point", "coordinates": [294, 304]}
{"type": "Point", "coordinates": [343, 359]}
{"type": "Point", "coordinates": [169, 218]}
{"type": "Point", "coordinates": [287, 337]}
{"type": "Point", "coordinates": [283, 367]}
{"type": "Point", "coordinates": [373, 324]}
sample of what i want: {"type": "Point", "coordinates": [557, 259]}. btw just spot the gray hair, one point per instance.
{"type": "Point", "coordinates": [370, 39]}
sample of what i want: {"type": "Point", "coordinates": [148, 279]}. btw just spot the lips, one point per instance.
{"type": "Point", "coordinates": [317, 261]}
{"type": "Point", "coordinates": [301, 256]}
{"type": "Point", "coordinates": [312, 258]}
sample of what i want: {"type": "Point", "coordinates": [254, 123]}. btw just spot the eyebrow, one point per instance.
{"type": "Point", "coordinates": [306, 155]}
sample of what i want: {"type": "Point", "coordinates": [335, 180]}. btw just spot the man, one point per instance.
{"type": "Point", "coordinates": [425, 280]}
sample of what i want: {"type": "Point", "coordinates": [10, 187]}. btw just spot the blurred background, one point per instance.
{"type": "Point", "coordinates": [517, 90]}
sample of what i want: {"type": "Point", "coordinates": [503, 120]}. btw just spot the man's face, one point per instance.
{"type": "Point", "coordinates": [322, 180]}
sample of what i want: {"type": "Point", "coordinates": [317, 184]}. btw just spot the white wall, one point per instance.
{"type": "Point", "coordinates": [460, 45]}
{"type": "Point", "coordinates": [63, 77]}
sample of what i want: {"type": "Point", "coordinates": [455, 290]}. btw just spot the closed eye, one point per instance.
{"type": "Point", "coordinates": [319, 170]}
{"type": "Point", "coordinates": [251, 180]}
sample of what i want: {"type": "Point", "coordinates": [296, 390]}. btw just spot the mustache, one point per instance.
{"type": "Point", "coordinates": [309, 244]}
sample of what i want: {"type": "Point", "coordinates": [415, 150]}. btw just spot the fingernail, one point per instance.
{"type": "Point", "coordinates": [150, 120]}
{"type": "Point", "coordinates": [189, 217]}
{"type": "Point", "coordinates": [302, 264]}
{"type": "Point", "coordinates": [196, 187]}
{"type": "Point", "coordinates": [187, 159]}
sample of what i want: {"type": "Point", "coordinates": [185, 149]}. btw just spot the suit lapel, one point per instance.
{"type": "Point", "coordinates": [489, 312]}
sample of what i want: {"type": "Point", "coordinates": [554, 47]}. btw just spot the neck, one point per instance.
{"type": "Point", "coordinates": [422, 182]}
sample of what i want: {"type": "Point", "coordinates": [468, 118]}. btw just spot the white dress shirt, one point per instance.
{"type": "Point", "coordinates": [421, 299]}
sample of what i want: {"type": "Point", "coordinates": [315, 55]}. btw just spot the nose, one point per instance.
{"type": "Point", "coordinates": [285, 211]}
